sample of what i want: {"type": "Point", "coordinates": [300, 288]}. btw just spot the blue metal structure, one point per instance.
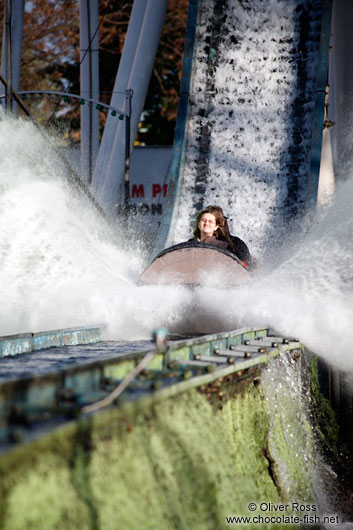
{"type": "Point", "coordinates": [173, 194]}
{"type": "Point", "coordinates": [12, 49]}
{"type": "Point", "coordinates": [110, 181]}
{"type": "Point", "coordinates": [110, 184]}
{"type": "Point", "coordinates": [322, 81]}
{"type": "Point", "coordinates": [112, 129]}
{"type": "Point", "coordinates": [89, 85]}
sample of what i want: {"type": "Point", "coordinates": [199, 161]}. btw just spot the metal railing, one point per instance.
{"type": "Point", "coordinates": [99, 105]}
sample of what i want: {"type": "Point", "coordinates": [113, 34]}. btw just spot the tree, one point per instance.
{"type": "Point", "coordinates": [159, 115]}
{"type": "Point", "coordinates": [51, 61]}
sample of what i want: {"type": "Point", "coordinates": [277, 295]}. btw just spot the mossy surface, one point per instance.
{"type": "Point", "coordinates": [291, 437]}
{"type": "Point", "coordinates": [184, 462]}
{"type": "Point", "coordinates": [326, 425]}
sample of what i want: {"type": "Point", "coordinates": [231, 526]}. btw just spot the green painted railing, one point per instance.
{"type": "Point", "coordinates": [182, 365]}
{"type": "Point", "coordinates": [28, 342]}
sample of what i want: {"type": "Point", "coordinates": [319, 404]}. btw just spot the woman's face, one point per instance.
{"type": "Point", "coordinates": [207, 225]}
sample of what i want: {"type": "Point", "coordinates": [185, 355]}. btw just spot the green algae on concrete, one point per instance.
{"type": "Point", "coordinates": [185, 462]}
{"type": "Point", "coordinates": [291, 437]}
{"type": "Point", "coordinates": [326, 426]}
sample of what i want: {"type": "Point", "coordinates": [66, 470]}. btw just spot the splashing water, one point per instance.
{"type": "Point", "coordinates": [242, 98]}
{"type": "Point", "coordinates": [61, 265]}
{"type": "Point", "coordinates": [306, 292]}
{"type": "Point", "coordinates": [309, 294]}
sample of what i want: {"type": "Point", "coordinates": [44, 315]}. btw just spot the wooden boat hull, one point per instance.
{"type": "Point", "coordinates": [195, 264]}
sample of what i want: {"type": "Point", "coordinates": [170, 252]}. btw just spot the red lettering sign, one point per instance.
{"type": "Point", "coordinates": [157, 189]}
{"type": "Point", "coordinates": [138, 191]}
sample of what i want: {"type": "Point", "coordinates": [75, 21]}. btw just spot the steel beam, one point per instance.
{"type": "Point", "coordinates": [110, 188]}
{"type": "Point", "coordinates": [89, 87]}
{"type": "Point", "coordinates": [112, 129]}
{"type": "Point", "coordinates": [12, 49]}
{"type": "Point", "coordinates": [316, 142]}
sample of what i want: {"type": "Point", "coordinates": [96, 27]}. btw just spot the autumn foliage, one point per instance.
{"type": "Point", "coordinates": [51, 61]}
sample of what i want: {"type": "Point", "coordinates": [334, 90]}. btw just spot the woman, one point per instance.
{"type": "Point", "coordinates": [236, 245]}
{"type": "Point", "coordinates": [211, 227]}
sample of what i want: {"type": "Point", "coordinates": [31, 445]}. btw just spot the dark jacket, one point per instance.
{"type": "Point", "coordinates": [238, 248]}
{"type": "Point", "coordinates": [241, 250]}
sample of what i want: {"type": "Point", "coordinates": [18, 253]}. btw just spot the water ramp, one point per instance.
{"type": "Point", "coordinates": [251, 114]}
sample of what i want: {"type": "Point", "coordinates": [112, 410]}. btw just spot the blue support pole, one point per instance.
{"type": "Point", "coordinates": [113, 127]}
{"type": "Point", "coordinates": [166, 230]}
{"type": "Point", "coordinates": [12, 49]}
{"type": "Point", "coordinates": [89, 86]}
{"type": "Point", "coordinates": [316, 143]}
{"type": "Point", "coordinates": [110, 192]}
{"type": "Point", "coordinates": [342, 85]}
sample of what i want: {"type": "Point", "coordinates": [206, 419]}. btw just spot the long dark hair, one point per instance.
{"type": "Point", "coordinates": [222, 230]}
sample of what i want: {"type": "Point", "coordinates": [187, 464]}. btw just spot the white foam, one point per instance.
{"type": "Point", "coordinates": [61, 266]}
{"type": "Point", "coordinates": [248, 114]}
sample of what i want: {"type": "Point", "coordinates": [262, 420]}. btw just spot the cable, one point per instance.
{"type": "Point", "coordinates": [67, 89]}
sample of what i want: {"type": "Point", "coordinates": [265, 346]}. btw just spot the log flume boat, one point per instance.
{"type": "Point", "coordinates": [195, 264]}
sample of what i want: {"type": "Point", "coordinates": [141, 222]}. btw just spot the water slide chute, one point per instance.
{"type": "Point", "coordinates": [282, 121]}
